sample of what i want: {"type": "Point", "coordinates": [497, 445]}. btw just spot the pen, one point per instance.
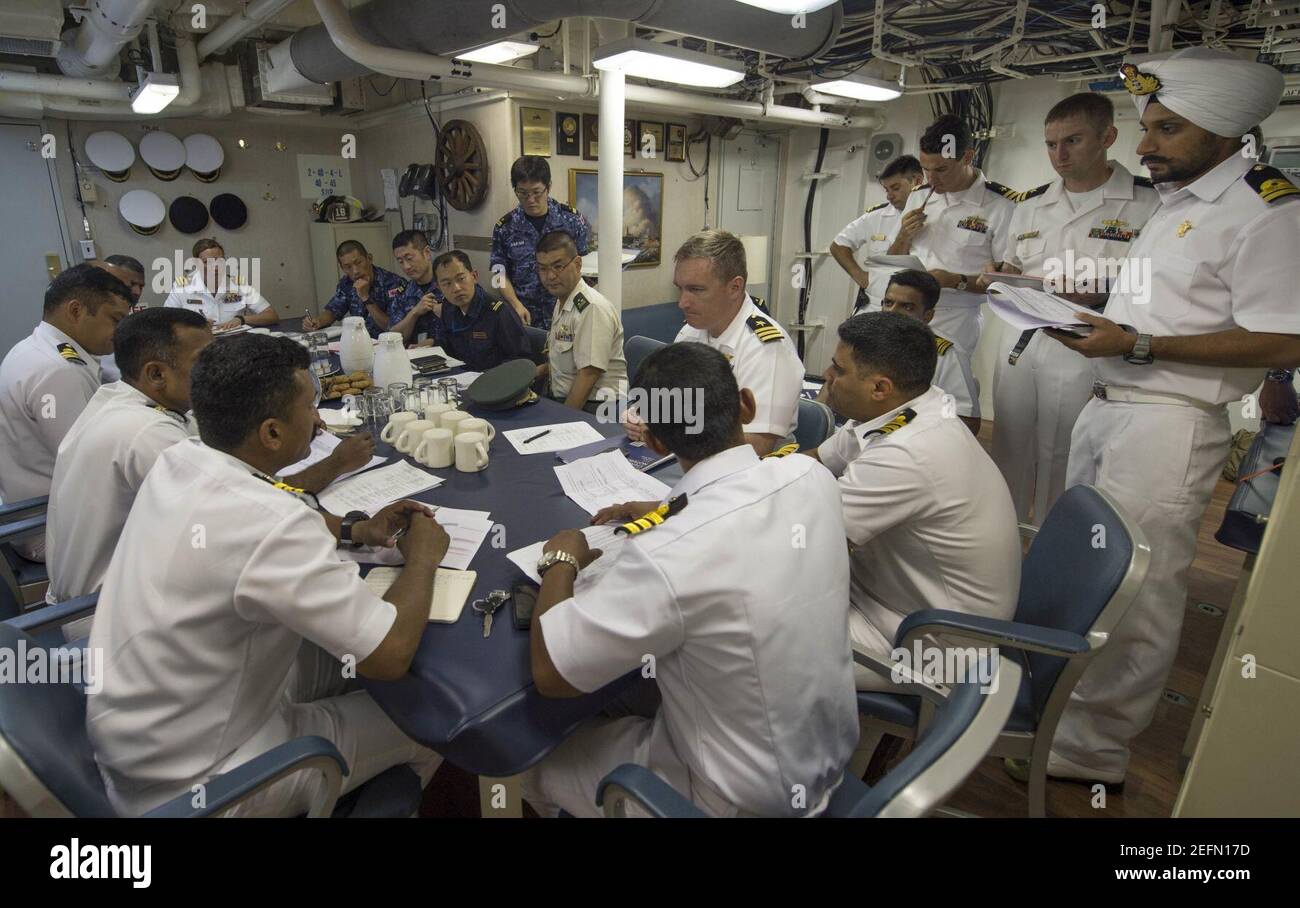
{"type": "Point", "coordinates": [537, 436]}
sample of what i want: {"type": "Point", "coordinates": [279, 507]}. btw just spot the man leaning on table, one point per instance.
{"type": "Point", "coordinates": [228, 622]}
{"type": "Point", "coordinates": [584, 345]}
{"type": "Point", "coordinates": [750, 648]}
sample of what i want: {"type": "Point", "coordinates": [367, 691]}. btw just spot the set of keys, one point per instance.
{"type": "Point", "coordinates": [488, 606]}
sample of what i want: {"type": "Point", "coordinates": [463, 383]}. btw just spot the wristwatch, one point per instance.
{"type": "Point", "coordinates": [1140, 355]}
{"type": "Point", "coordinates": [1282, 376]}
{"type": "Point", "coordinates": [242, 320]}
{"type": "Point", "coordinates": [551, 559]}
{"type": "Point", "coordinates": [349, 520]}
{"type": "Point", "coordinates": [962, 282]}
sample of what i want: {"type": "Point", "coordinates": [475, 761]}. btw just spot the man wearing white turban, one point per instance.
{"type": "Point", "coordinates": [1169, 355]}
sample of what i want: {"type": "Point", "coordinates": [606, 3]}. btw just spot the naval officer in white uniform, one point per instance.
{"type": "Point", "coordinates": [872, 233]}
{"type": "Point", "coordinates": [1222, 311]}
{"type": "Point", "coordinates": [1069, 230]}
{"type": "Point", "coordinates": [213, 290]}
{"type": "Point", "coordinates": [47, 379]}
{"type": "Point", "coordinates": [956, 224]}
{"type": "Point", "coordinates": [229, 623]}
{"type": "Point", "coordinates": [750, 648]}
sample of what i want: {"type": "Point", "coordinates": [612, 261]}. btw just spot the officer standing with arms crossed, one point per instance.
{"type": "Point", "coordinates": [1222, 311]}
{"type": "Point", "coordinates": [1096, 211]}
{"type": "Point", "coordinates": [515, 238]}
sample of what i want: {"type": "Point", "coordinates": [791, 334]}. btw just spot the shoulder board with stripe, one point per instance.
{"type": "Point", "coordinates": [69, 352]}
{"type": "Point", "coordinates": [1270, 183]}
{"type": "Point", "coordinates": [896, 423]}
{"type": "Point", "coordinates": [1143, 182]}
{"type": "Point", "coordinates": [505, 217]}
{"type": "Point", "coordinates": [654, 518]}
{"type": "Point", "coordinates": [783, 451]}
{"type": "Point", "coordinates": [761, 304]}
{"type": "Point", "coordinates": [565, 206]}
{"type": "Point", "coordinates": [942, 344]}
{"type": "Point", "coordinates": [766, 332]}
{"type": "Point", "coordinates": [1032, 193]}
{"type": "Point", "coordinates": [1004, 191]}
{"type": "Point", "coordinates": [877, 207]}
{"type": "Point", "coordinates": [497, 304]}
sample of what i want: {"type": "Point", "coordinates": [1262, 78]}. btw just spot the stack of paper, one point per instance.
{"type": "Point", "coordinates": [371, 490]}
{"type": "Point", "coordinates": [323, 446]}
{"type": "Point", "coordinates": [450, 590]}
{"type": "Point", "coordinates": [600, 537]}
{"type": "Point", "coordinates": [467, 530]}
{"type": "Point", "coordinates": [1024, 307]}
{"type": "Point", "coordinates": [556, 437]}
{"type": "Point", "coordinates": [598, 482]}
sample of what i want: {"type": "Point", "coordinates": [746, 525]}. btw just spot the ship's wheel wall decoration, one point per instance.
{"type": "Point", "coordinates": [462, 165]}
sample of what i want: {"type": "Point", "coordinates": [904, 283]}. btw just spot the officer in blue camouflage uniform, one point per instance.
{"type": "Point", "coordinates": [411, 314]}
{"type": "Point", "coordinates": [515, 237]}
{"type": "Point", "coordinates": [482, 332]}
{"type": "Point", "coordinates": [365, 289]}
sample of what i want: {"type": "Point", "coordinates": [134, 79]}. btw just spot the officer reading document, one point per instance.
{"type": "Point", "coordinates": [751, 655]}
{"type": "Point", "coordinates": [1221, 312]}
{"type": "Point", "coordinates": [872, 233]}
{"type": "Point", "coordinates": [229, 623]}
{"type": "Point", "coordinates": [219, 294]}
{"type": "Point", "coordinates": [47, 379]}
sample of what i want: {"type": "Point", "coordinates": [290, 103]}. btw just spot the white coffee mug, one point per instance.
{"type": "Point", "coordinates": [433, 412]}
{"type": "Point", "coordinates": [481, 426]}
{"type": "Point", "coordinates": [396, 423]}
{"type": "Point", "coordinates": [452, 418]}
{"type": "Point", "coordinates": [471, 452]}
{"type": "Point", "coordinates": [410, 435]}
{"type": "Point", "coordinates": [435, 448]}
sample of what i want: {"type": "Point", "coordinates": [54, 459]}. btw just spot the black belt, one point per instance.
{"type": "Point", "coordinates": [1026, 336]}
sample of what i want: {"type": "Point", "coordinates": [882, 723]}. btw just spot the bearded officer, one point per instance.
{"type": "Point", "coordinates": [1222, 248]}
{"type": "Point", "coordinates": [956, 224]}
{"type": "Point", "coordinates": [47, 379]}
{"type": "Point", "coordinates": [1070, 229]}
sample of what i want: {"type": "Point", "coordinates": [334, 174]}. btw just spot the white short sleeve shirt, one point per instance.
{"type": "Point", "coordinates": [587, 330]}
{"type": "Point", "coordinates": [868, 235]}
{"type": "Point", "coordinates": [222, 306]}
{"type": "Point", "coordinates": [742, 600]}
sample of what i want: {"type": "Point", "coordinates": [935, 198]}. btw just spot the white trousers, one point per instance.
{"type": "Point", "coordinates": [315, 703]}
{"type": "Point", "coordinates": [1036, 404]}
{"type": "Point", "coordinates": [1160, 463]}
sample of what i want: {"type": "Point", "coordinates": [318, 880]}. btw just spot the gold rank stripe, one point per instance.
{"type": "Point", "coordinates": [1276, 189]}
{"type": "Point", "coordinates": [69, 352]}
{"type": "Point", "coordinates": [654, 518]}
{"type": "Point", "coordinates": [896, 423]}
{"type": "Point", "coordinates": [783, 451]}
{"type": "Point", "coordinates": [942, 344]}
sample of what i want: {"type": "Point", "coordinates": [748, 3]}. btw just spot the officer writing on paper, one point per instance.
{"type": "Point", "coordinates": [365, 290]}
{"type": "Point", "coordinates": [1075, 232]}
{"type": "Point", "coordinates": [710, 272]}
{"type": "Point", "coordinates": [228, 621]}
{"type": "Point", "coordinates": [109, 450]}
{"type": "Point", "coordinates": [1221, 312]}
{"type": "Point", "coordinates": [218, 292]}
{"type": "Point", "coordinates": [584, 346]}
{"type": "Point", "coordinates": [751, 655]}
{"type": "Point", "coordinates": [876, 228]}
{"type": "Point", "coordinates": [47, 379]}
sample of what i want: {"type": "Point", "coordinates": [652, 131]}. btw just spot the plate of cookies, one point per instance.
{"type": "Point", "coordinates": [334, 387]}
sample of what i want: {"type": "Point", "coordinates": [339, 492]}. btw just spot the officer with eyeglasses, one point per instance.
{"type": "Point", "coordinates": [515, 238]}
{"type": "Point", "coordinates": [483, 332]}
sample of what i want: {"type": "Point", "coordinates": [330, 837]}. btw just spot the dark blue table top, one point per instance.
{"type": "Point", "coordinates": [469, 698]}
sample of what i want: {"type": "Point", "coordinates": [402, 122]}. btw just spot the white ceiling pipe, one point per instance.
{"type": "Point", "coordinates": [1154, 24]}
{"type": "Point", "coordinates": [67, 86]}
{"type": "Point", "coordinates": [254, 16]}
{"type": "Point", "coordinates": [108, 26]}
{"type": "Point", "coordinates": [609, 184]}
{"type": "Point", "coordinates": [407, 64]}
{"type": "Point", "coordinates": [748, 110]}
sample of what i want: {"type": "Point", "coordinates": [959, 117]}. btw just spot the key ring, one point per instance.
{"type": "Point", "coordinates": [496, 598]}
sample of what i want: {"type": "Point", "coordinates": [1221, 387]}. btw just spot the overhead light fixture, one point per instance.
{"type": "Point", "coordinates": [860, 88]}
{"type": "Point", "coordinates": [155, 92]}
{"type": "Point", "coordinates": [789, 7]}
{"type": "Point", "coordinates": [500, 52]}
{"type": "Point", "coordinates": [667, 63]}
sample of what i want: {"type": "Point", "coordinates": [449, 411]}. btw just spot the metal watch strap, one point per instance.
{"type": "Point", "coordinates": [551, 559]}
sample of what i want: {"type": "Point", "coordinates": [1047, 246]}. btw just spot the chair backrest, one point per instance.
{"type": "Point", "coordinates": [536, 340]}
{"type": "Point", "coordinates": [816, 423]}
{"type": "Point", "coordinates": [46, 762]}
{"type": "Point", "coordinates": [636, 349]}
{"type": "Point", "coordinates": [964, 729]}
{"type": "Point", "coordinates": [660, 321]}
{"type": "Point", "coordinates": [10, 603]}
{"type": "Point", "coordinates": [1084, 567]}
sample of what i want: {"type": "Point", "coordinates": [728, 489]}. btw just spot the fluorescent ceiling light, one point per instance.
{"type": "Point", "coordinates": [667, 63]}
{"type": "Point", "coordinates": [790, 7]}
{"type": "Point", "coordinates": [154, 93]}
{"type": "Point", "coordinates": [501, 52]}
{"type": "Point", "coordinates": [860, 88]}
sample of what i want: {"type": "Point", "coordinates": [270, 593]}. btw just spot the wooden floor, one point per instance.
{"type": "Point", "coordinates": [1153, 777]}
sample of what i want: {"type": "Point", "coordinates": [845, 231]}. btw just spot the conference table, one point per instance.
{"type": "Point", "coordinates": [468, 697]}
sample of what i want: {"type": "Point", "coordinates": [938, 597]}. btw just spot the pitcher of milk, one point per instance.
{"type": "Point", "coordinates": [356, 354]}
{"type": "Point", "coordinates": [392, 364]}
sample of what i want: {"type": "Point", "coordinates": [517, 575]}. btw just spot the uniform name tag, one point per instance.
{"type": "Point", "coordinates": [1027, 236]}
{"type": "Point", "coordinates": [878, 237]}
{"type": "Point", "coordinates": [974, 222]}
{"type": "Point", "coordinates": [479, 335]}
